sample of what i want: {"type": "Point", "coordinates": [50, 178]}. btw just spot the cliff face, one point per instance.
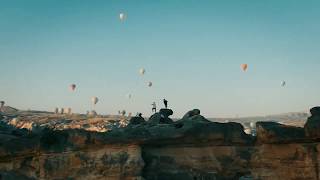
{"type": "Point", "coordinates": [269, 161]}
{"type": "Point", "coordinates": [278, 152]}
{"type": "Point", "coordinates": [207, 162]}
{"type": "Point", "coordinates": [191, 148]}
{"type": "Point", "coordinates": [111, 162]}
{"type": "Point", "coordinates": [69, 154]}
{"type": "Point", "coordinates": [286, 161]}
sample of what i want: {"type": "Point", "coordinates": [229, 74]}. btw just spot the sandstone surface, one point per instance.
{"type": "Point", "coordinates": [190, 148]}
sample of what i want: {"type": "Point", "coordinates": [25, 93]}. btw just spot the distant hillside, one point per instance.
{"type": "Point", "coordinates": [9, 110]}
{"type": "Point", "coordinates": [292, 118]}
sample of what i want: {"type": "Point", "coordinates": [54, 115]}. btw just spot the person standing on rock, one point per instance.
{"type": "Point", "coordinates": [1, 105]}
{"type": "Point", "coordinates": [154, 107]}
{"type": "Point", "coordinates": [165, 102]}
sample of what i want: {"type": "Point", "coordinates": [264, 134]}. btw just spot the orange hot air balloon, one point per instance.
{"type": "Point", "coordinates": [244, 67]}
{"type": "Point", "coordinates": [72, 87]}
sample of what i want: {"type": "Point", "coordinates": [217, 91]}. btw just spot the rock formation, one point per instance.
{"type": "Point", "coordinates": [190, 148]}
{"type": "Point", "coordinates": [312, 126]}
{"type": "Point", "coordinates": [9, 110]}
{"type": "Point", "coordinates": [161, 117]}
{"type": "Point", "coordinates": [191, 113]}
{"type": "Point", "coordinates": [272, 132]}
{"type": "Point", "coordinates": [136, 120]}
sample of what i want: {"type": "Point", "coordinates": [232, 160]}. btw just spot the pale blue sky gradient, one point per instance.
{"type": "Point", "coordinates": [191, 50]}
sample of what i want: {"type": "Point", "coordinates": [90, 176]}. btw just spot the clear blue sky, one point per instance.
{"type": "Point", "coordinates": [191, 50]}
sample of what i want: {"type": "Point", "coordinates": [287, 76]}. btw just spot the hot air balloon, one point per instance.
{"type": "Point", "coordinates": [244, 67]}
{"type": "Point", "coordinates": [252, 125]}
{"type": "Point", "coordinates": [283, 83]}
{"type": "Point", "coordinates": [149, 83]}
{"type": "Point", "coordinates": [94, 100]}
{"type": "Point", "coordinates": [122, 16]}
{"type": "Point", "coordinates": [142, 71]}
{"type": "Point", "coordinates": [72, 87]}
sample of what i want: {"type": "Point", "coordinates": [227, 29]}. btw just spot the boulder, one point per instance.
{"type": "Point", "coordinates": [162, 117]}
{"type": "Point", "coordinates": [199, 129]}
{"type": "Point", "coordinates": [312, 125]}
{"type": "Point", "coordinates": [192, 117]}
{"type": "Point", "coordinates": [194, 130]}
{"type": "Point", "coordinates": [136, 120]}
{"type": "Point", "coordinates": [272, 132]}
{"type": "Point", "coordinates": [166, 112]}
{"type": "Point", "coordinates": [158, 118]}
{"type": "Point", "coordinates": [315, 111]}
{"type": "Point", "coordinates": [191, 113]}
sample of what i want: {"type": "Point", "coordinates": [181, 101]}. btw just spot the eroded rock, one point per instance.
{"type": "Point", "coordinates": [196, 162]}
{"type": "Point", "coordinates": [166, 112]}
{"type": "Point", "coordinates": [312, 126]}
{"type": "Point", "coordinates": [191, 113]}
{"type": "Point", "coordinates": [136, 120]}
{"type": "Point", "coordinates": [272, 132]}
{"type": "Point", "coordinates": [161, 117]}
{"type": "Point", "coordinates": [190, 148]}
{"type": "Point", "coordinates": [315, 111]}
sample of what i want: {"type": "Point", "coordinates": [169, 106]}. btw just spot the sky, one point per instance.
{"type": "Point", "coordinates": [192, 51]}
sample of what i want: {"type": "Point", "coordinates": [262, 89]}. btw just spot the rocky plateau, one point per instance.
{"type": "Point", "coordinates": [42, 145]}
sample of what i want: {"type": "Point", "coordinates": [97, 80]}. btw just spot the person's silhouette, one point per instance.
{"type": "Point", "coordinates": [1, 105]}
{"type": "Point", "coordinates": [165, 103]}
{"type": "Point", "coordinates": [154, 107]}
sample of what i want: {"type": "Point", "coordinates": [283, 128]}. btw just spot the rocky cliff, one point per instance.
{"type": "Point", "coordinates": [190, 148]}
